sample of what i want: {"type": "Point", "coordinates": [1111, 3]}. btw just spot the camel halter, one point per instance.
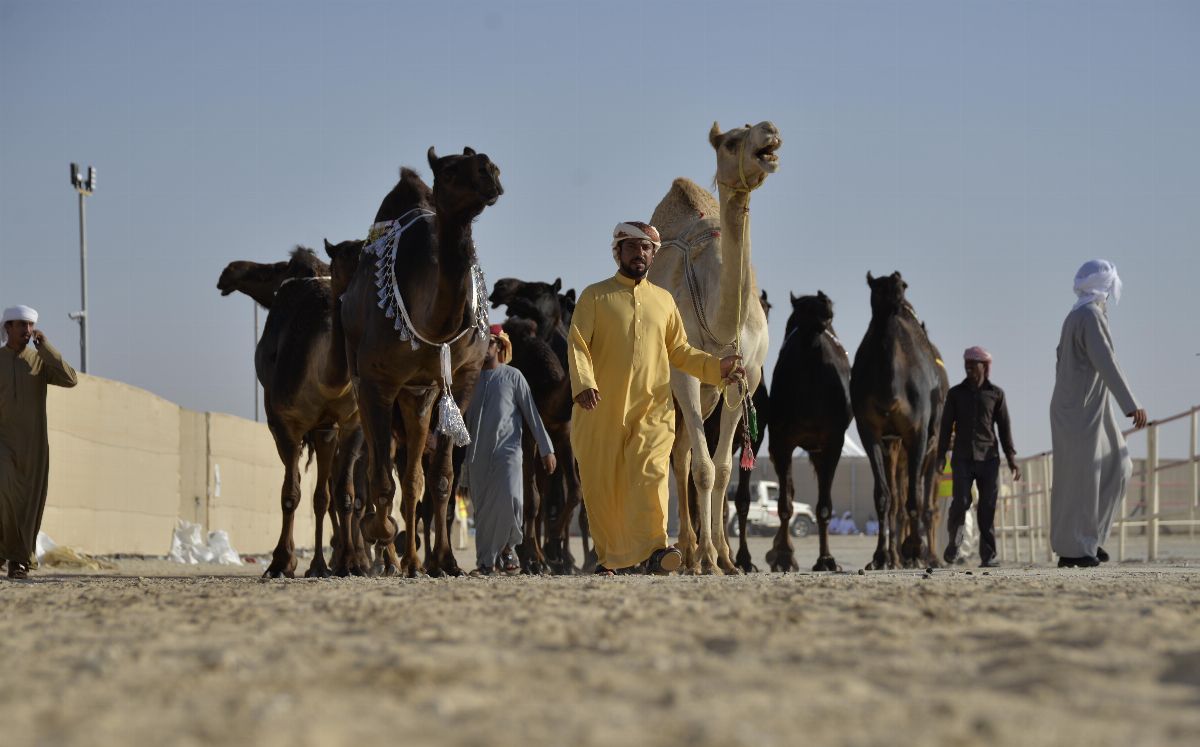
{"type": "Point", "coordinates": [384, 239]}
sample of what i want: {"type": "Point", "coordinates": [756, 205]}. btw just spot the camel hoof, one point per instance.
{"type": "Point", "coordinates": [782, 561]}
{"type": "Point", "coordinates": [315, 571]}
{"type": "Point", "coordinates": [278, 573]}
{"type": "Point", "coordinates": [744, 562]}
{"type": "Point", "coordinates": [827, 563]}
{"type": "Point", "coordinates": [879, 562]}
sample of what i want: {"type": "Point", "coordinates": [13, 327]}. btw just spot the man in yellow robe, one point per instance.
{"type": "Point", "coordinates": [626, 334]}
{"type": "Point", "coordinates": [27, 364]}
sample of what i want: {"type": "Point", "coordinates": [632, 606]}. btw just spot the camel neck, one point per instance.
{"type": "Point", "coordinates": [735, 284]}
{"type": "Point", "coordinates": [454, 258]}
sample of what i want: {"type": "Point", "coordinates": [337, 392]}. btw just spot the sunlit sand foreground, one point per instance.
{"type": "Point", "coordinates": [1019, 656]}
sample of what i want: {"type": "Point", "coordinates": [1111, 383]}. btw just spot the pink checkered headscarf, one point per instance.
{"type": "Point", "coordinates": [978, 354]}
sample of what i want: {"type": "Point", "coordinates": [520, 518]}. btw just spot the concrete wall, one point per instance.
{"type": "Point", "coordinates": [125, 464]}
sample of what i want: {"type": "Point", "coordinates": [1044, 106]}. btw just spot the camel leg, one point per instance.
{"type": "Point", "coordinates": [375, 402]}
{"type": "Point", "coordinates": [930, 512]}
{"type": "Point", "coordinates": [915, 549]}
{"type": "Point", "coordinates": [742, 503]}
{"type": "Point", "coordinates": [782, 555]}
{"type": "Point", "coordinates": [415, 417]}
{"type": "Point", "coordinates": [590, 559]}
{"type": "Point", "coordinates": [568, 481]}
{"type": "Point", "coordinates": [879, 471]}
{"type": "Point", "coordinates": [443, 561]}
{"type": "Point", "coordinates": [360, 561]}
{"type": "Point", "coordinates": [325, 443]}
{"type": "Point", "coordinates": [731, 419]}
{"type": "Point", "coordinates": [345, 493]}
{"type": "Point", "coordinates": [826, 464]}
{"type": "Point", "coordinates": [704, 556]}
{"type": "Point", "coordinates": [528, 551]}
{"type": "Point", "coordinates": [681, 462]}
{"type": "Point", "coordinates": [283, 559]}
{"type": "Point", "coordinates": [541, 486]}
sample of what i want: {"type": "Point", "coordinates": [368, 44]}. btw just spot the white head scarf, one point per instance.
{"type": "Point", "coordinates": [1097, 280]}
{"type": "Point", "coordinates": [635, 229]}
{"type": "Point", "coordinates": [17, 313]}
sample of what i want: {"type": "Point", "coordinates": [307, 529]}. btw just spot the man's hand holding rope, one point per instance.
{"type": "Point", "coordinates": [732, 369]}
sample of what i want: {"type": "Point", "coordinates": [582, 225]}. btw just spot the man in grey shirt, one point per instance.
{"type": "Point", "coordinates": [500, 410]}
{"type": "Point", "coordinates": [1091, 462]}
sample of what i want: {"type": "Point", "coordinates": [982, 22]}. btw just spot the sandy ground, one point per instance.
{"type": "Point", "coordinates": [157, 653]}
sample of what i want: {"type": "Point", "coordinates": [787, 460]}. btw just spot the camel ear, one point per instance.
{"type": "Point", "coordinates": [870, 278]}
{"type": "Point", "coordinates": [792, 296]}
{"type": "Point", "coordinates": [570, 294]}
{"type": "Point", "coordinates": [763, 296]}
{"type": "Point", "coordinates": [328, 248]}
{"type": "Point", "coordinates": [821, 295]}
{"type": "Point", "coordinates": [433, 158]}
{"type": "Point", "coordinates": [896, 275]}
{"type": "Point", "coordinates": [468, 151]}
{"type": "Point", "coordinates": [714, 136]}
{"type": "Point", "coordinates": [557, 285]}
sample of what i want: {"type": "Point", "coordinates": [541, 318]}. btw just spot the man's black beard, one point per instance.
{"type": "Point", "coordinates": [629, 272]}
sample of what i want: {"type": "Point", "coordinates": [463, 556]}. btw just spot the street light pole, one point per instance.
{"type": "Point", "coordinates": [84, 187]}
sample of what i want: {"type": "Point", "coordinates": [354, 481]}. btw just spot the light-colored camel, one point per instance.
{"type": "Point", "coordinates": [705, 263]}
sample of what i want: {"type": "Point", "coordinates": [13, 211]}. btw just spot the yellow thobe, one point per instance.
{"type": "Point", "coordinates": [24, 443]}
{"type": "Point", "coordinates": [625, 337]}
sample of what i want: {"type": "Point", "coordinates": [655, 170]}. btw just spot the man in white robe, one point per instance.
{"type": "Point", "coordinates": [1091, 461]}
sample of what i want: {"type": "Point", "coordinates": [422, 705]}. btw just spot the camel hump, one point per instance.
{"type": "Point", "coordinates": [684, 201]}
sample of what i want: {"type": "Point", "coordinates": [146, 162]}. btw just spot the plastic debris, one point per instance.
{"type": "Point", "coordinates": [188, 545]}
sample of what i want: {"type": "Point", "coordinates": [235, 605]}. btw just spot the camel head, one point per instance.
{"type": "Point", "coordinates": [255, 279]}
{"type": "Point", "coordinates": [235, 273]}
{"type": "Point", "coordinates": [530, 300]}
{"type": "Point", "coordinates": [810, 313]}
{"type": "Point", "coordinates": [745, 155]}
{"type": "Point", "coordinates": [566, 306]}
{"type": "Point", "coordinates": [887, 293]}
{"type": "Point", "coordinates": [343, 263]}
{"type": "Point", "coordinates": [463, 185]}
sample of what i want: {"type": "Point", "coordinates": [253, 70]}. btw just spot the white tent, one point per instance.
{"type": "Point", "coordinates": [851, 448]}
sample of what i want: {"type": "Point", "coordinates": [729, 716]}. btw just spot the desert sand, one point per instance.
{"type": "Point", "coordinates": [157, 653]}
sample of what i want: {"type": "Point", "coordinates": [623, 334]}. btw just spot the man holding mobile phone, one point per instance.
{"type": "Point", "coordinates": [25, 372]}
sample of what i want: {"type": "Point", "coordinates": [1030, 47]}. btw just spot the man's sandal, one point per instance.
{"type": "Point", "coordinates": [664, 561]}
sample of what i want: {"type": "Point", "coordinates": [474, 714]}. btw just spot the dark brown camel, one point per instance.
{"type": "Point", "coordinates": [810, 410]}
{"type": "Point", "coordinates": [533, 308]}
{"type": "Point", "coordinates": [429, 269]}
{"type": "Point", "coordinates": [898, 385]}
{"type": "Point", "coordinates": [307, 398]}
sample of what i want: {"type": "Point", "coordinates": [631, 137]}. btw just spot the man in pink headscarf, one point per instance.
{"type": "Point", "coordinates": [975, 410]}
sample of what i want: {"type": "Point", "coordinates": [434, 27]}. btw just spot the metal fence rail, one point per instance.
{"type": "Point", "coordinates": [1023, 509]}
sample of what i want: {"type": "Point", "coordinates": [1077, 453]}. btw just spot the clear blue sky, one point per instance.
{"type": "Point", "coordinates": [985, 149]}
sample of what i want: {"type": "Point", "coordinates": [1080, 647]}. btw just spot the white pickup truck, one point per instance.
{"type": "Point", "coordinates": [763, 518]}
